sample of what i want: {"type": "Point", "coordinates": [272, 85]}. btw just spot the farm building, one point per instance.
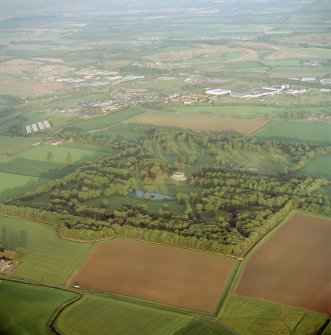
{"type": "Point", "coordinates": [39, 126]}
{"type": "Point", "coordinates": [179, 176]}
{"type": "Point", "coordinates": [308, 79]}
{"type": "Point", "coordinates": [325, 81]}
{"type": "Point", "coordinates": [4, 264]}
{"type": "Point", "coordinates": [28, 130]}
{"type": "Point", "coordinates": [218, 91]}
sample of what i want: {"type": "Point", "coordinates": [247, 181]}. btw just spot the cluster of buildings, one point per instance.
{"type": "Point", "coordinates": [260, 92]}
{"type": "Point", "coordinates": [190, 98]}
{"type": "Point", "coordinates": [314, 117]}
{"type": "Point", "coordinates": [312, 80]}
{"type": "Point", "coordinates": [38, 127]}
{"type": "Point", "coordinates": [88, 77]}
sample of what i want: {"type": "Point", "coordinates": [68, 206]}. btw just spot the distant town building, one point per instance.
{"type": "Point", "coordinates": [218, 91]}
{"type": "Point", "coordinates": [326, 81]}
{"type": "Point", "coordinates": [308, 79]}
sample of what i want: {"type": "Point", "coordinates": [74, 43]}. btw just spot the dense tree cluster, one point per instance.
{"type": "Point", "coordinates": [229, 211]}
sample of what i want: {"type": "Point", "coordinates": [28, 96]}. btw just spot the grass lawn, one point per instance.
{"type": "Point", "coordinates": [256, 317]}
{"type": "Point", "coordinates": [101, 315]}
{"type": "Point", "coordinates": [26, 309]}
{"type": "Point", "coordinates": [319, 167]}
{"type": "Point", "coordinates": [297, 131]}
{"type": "Point", "coordinates": [49, 259]}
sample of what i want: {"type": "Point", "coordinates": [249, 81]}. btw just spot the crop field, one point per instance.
{"type": "Point", "coordinates": [255, 317]}
{"type": "Point", "coordinates": [167, 275]}
{"type": "Point", "coordinates": [297, 131]}
{"type": "Point", "coordinates": [276, 272]}
{"type": "Point", "coordinates": [203, 122]}
{"type": "Point", "coordinates": [49, 259]}
{"type": "Point", "coordinates": [109, 120]}
{"type": "Point", "coordinates": [17, 316]}
{"type": "Point", "coordinates": [319, 167]}
{"type": "Point", "coordinates": [102, 315]}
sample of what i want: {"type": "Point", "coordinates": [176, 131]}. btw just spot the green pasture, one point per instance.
{"type": "Point", "coordinates": [13, 185]}
{"type": "Point", "coordinates": [311, 52]}
{"type": "Point", "coordinates": [71, 100]}
{"type": "Point", "coordinates": [49, 259]}
{"type": "Point", "coordinates": [269, 161]}
{"type": "Point", "coordinates": [108, 120]}
{"type": "Point", "coordinates": [117, 202]}
{"type": "Point", "coordinates": [163, 184]}
{"type": "Point", "coordinates": [217, 57]}
{"type": "Point", "coordinates": [102, 315]}
{"type": "Point", "coordinates": [27, 167]}
{"type": "Point", "coordinates": [26, 309]}
{"type": "Point", "coordinates": [247, 111]}
{"type": "Point", "coordinates": [326, 190]}
{"type": "Point", "coordinates": [122, 132]}
{"type": "Point", "coordinates": [256, 317]}
{"type": "Point", "coordinates": [204, 327]}
{"type": "Point", "coordinates": [319, 167]}
{"type": "Point", "coordinates": [297, 131]}
{"type": "Point", "coordinates": [60, 153]}
{"type": "Point", "coordinates": [11, 145]}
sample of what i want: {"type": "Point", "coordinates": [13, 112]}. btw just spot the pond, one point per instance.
{"type": "Point", "coordinates": [152, 196]}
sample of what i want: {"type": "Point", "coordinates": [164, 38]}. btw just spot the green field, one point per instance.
{"type": "Point", "coordinates": [297, 131]}
{"type": "Point", "coordinates": [22, 167]}
{"type": "Point", "coordinates": [101, 315]}
{"type": "Point", "coordinates": [319, 167]}
{"type": "Point", "coordinates": [116, 202]}
{"type": "Point", "coordinates": [59, 153]}
{"type": "Point", "coordinates": [49, 259]}
{"type": "Point", "coordinates": [26, 309]}
{"type": "Point", "coordinates": [109, 120]}
{"type": "Point", "coordinates": [255, 317]}
{"type": "Point", "coordinates": [204, 327]}
{"type": "Point", "coordinates": [11, 145]}
{"type": "Point", "coordinates": [13, 185]}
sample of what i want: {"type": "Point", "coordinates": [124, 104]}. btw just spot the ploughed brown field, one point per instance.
{"type": "Point", "coordinates": [294, 266]}
{"type": "Point", "coordinates": [167, 275]}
